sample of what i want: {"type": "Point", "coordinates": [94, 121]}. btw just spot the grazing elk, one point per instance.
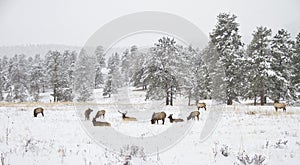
{"type": "Point", "coordinates": [100, 113]}
{"type": "Point", "coordinates": [174, 120]}
{"type": "Point", "coordinates": [38, 110]}
{"type": "Point", "coordinates": [193, 115]}
{"type": "Point", "coordinates": [201, 105]}
{"type": "Point", "coordinates": [87, 113]}
{"type": "Point", "coordinates": [126, 118]}
{"type": "Point", "coordinates": [278, 105]}
{"type": "Point", "coordinates": [100, 123]}
{"type": "Point", "coordinates": [158, 116]}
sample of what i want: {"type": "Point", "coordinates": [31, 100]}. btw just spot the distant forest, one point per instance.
{"type": "Point", "coordinates": [226, 70]}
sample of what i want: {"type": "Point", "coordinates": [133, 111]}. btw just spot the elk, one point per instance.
{"type": "Point", "coordinates": [278, 105]}
{"type": "Point", "coordinates": [174, 120]}
{"type": "Point", "coordinates": [38, 110]}
{"type": "Point", "coordinates": [126, 118]}
{"type": "Point", "coordinates": [100, 123]}
{"type": "Point", "coordinates": [193, 115]}
{"type": "Point", "coordinates": [201, 105]}
{"type": "Point", "coordinates": [87, 113]}
{"type": "Point", "coordinates": [158, 116]}
{"type": "Point", "coordinates": [100, 113]}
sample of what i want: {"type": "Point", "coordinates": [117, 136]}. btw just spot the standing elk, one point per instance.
{"type": "Point", "coordinates": [38, 110]}
{"type": "Point", "coordinates": [126, 118]}
{"type": "Point", "coordinates": [278, 105]}
{"type": "Point", "coordinates": [87, 113]}
{"type": "Point", "coordinates": [193, 115]}
{"type": "Point", "coordinates": [158, 116]}
{"type": "Point", "coordinates": [100, 123]}
{"type": "Point", "coordinates": [174, 120]}
{"type": "Point", "coordinates": [100, 113]}
{"type": "Point", "coordinates": [201, 105]}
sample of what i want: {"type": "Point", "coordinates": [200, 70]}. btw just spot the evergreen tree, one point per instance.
{"type": "Point", "coordinates": [228, 45]}
{"type": "Point", "coordinates": [162, 71]}
{"type": "Point", "coordinates": [85, 76]}
{"type": "Point", "coordinates": [114, 79]}
{"type": "Point", "coordinates": [281, 65]}
{"type": "Point", "coordinates": [18, 89]}
{"type": "Point", "coordinates": [100, 56]}
{"type": "Point", "coordinates": [258, 65]}
{"type": "Point", "coordinates": [295, 76]}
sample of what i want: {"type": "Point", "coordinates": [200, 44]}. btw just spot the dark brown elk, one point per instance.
{"type": "Point", "coordinates": [126, 118]}
{"type": "Point", "coordinates": [100, 123]}
{"type": "Point", "coordinates": [158, 116]}
{"type": "Point", "coordinates": [278, 105]}
{"type": "Point", "coordinates": [87, 113]}
{"type": "Point", "coordinates": [193, 115]}
{"type": "Point", "coordinates": [201, 105]}
{"type": "Point", "coordinates": [174, 120]}
{"type": "Point", "coordinates": [100, 113]}
{"type": "Point", "coordinates": [38, 110]}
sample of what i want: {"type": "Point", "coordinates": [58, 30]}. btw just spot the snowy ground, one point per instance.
{"type": "Point", "coordinates": [243, 133]}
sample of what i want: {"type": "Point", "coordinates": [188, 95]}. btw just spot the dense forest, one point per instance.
{"type": "Point", "coordinates": [227, 69]}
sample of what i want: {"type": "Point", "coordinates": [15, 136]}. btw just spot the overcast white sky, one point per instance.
{"type": "Point", "coordinates": [72, 22]}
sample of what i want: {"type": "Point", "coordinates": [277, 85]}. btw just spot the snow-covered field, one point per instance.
{"type": "Point", "coordinates": [243, 134]}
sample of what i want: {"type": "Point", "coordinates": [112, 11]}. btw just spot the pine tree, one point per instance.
{"type": "Point", "coordinates": [295, 61]}
{"type": "Point", "coordinates": [258, 65]}
{"type": "Point", "coordinates": [281, 65]}
{"type": "Point", "coordinates": [161, 71]}
{"type": "Point", "coordinates": [85, 76]}
{"type": "Point", "coordinates": [228, 45]}
{"type": "Point", "coordinates": [114, 79]}
{"type": "Point", "coordinates": [100, 56]}
{"type": "Point", "coordinates": [18, 89]}
{"type": "Point", "coordinates": [36, 77]}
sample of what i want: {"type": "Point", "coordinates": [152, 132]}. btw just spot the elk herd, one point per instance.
{"type": "Point", "coordinates": [155, 116]}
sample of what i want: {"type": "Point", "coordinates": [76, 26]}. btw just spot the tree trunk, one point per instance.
{"type": "Point", "coordinates": [167, 99]}
{"type": "Point", "coordinates": [255, 100]}
{"type": "Point", "coordinates": [171, 97]}
{"type": "Point", "coordinates": [262, 97]}
{"type": "Point", "coordinates": [229, 101]}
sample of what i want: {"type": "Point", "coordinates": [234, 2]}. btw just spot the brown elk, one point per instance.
{"type": "Point", "coordinates": [174, 120]}
{"type": "Point", "coordinates": [38, 110]}
{"type": "Point", "coordinates": [278, 105]}
{"type": "Point", "coordinates": [158, 116]}
{"type": "Point", "coordinates": [201, 105]}
{"type": "Point", "coordinates": [126, 118]}
{"type": "Point", "coordinates": [100, 113]}
{"type": "Point", "coordinates": [193, 115]}
{"type": "Point", "coordinates": [87, 113]}
{"type": "Point", "coordinates": [100, 123]}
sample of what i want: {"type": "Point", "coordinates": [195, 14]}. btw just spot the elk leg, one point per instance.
{"type": "Point", "coordinates": [198, 118]}
{"type": "Point", "coordinates": [276, 109]}
{"type": "Point", "coordinates": [42, 113]}
{"type": "Point", "coordinates": [163, 121]}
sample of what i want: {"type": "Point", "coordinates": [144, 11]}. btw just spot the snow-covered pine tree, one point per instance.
{"type": "Point", "coordinates": [36, 77]}
{"type": "Point", "coordinates": [216, 73]}
{"type": "Point", "coordinates": [295, 76]}
{"type": "Point", "coordinates": [54, 63]}
{"type": "Point", "coordinates": [281, 66]}
{"type": "Point", "coordinates": [228, 45]}
{"type": "Point", "coordinates": [18, 89]}
{"type": "Point", "coordinates": [258, 65]}
{"type": "Point", "coordinates": [85, 76]}
{"type": "Point", "coordinates": [162, 71]}
{"type": "Point", "coordinates": [125, 66]}
{"type": "Point", "coordinates": [139, 67]}
{"type": "Point", "coordinates": [195, 78]}
{"type": "Point", "coordinates": [100, 56]}
{"type": "Point", "coordinates": [114, 78]}
{"type": "Point", "coordinates": [2, 79]}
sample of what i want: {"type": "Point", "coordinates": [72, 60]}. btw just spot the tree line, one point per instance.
{"type": "Point", "coordinates": [225, 70]}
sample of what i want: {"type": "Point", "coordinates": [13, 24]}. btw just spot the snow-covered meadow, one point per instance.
{"type": "Point", "coordinates": [244, 134]}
